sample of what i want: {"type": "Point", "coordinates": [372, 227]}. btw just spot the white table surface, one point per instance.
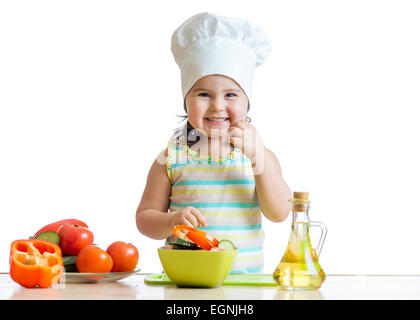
{"type": "Point", "coordinates": [335, 287]}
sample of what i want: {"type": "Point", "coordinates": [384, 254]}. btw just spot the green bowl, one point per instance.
{"type": "Point", "coordinates": [197, 268]}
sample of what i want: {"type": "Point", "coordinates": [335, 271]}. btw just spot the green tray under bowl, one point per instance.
{"type": "Point", "coordinates": [231, 279]}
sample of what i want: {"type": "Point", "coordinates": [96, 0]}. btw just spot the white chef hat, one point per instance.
{"type": "Point", "coordinates": [208, 44]}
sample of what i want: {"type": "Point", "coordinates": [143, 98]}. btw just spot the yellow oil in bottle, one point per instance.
{"type": "Point", "coordinates": [299, 268]}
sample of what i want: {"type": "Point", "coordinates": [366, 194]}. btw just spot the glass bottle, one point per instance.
{"type": "Point", "coordinates": [299, 268]}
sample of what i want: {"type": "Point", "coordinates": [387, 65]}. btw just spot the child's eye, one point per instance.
{"type": "Point", "coordinates": [203, 94]}
{"type": "Point", "coordinates": [230, 95]}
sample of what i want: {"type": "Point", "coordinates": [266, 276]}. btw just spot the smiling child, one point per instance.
{"type": "Point", "coordinates": [216, 174]}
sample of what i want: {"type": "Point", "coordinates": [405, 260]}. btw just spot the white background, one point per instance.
{"type": "Point", "coordinates": [89, 94]}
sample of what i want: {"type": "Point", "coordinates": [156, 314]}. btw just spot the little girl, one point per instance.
{"type": "Point", "coordinates": [216, 174]}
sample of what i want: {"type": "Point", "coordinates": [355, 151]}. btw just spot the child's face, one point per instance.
{"type": "Point", "coordinates": [213, 103]}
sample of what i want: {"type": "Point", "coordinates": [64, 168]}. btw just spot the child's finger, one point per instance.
{"type": "Point", "coordinates": [237, 142]}
{"type": "Point", "coordinates": [189, 220]}
{"type": "Point", "coordinates": [199, 216]}
{"type": "Point", "coordinates": [236, 132]}
{"type": "Point", "coordinates": [192, 219]}
{"type": "Point", "coordinates": [185, 221]}
{"type": "Point", "coordinates": [242, 124]}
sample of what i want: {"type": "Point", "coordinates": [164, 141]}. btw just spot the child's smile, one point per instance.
{"type": "Point", "coordinates": [219, 123]}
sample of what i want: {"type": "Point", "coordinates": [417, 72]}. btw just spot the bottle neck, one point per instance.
{"type": "Point", "coordinates": [300, 210]}
{"type": "Point", "coordinates": [300, 216]}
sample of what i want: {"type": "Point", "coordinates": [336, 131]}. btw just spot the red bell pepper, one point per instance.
{"type": "Point", "coordinates": [55, 225]}
{"type": "Point", "coordinates": [199, 237]}
{"type": "Point", "coordinates": [35, 262]}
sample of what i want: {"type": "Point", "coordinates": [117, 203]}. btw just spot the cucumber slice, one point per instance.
{"type": "Point", "coordinates": [49, 236]}
{"type": "Point", "coordinates": [180, 247]}
{"type": "Point", "coordinates": [69, 263]}
{"type": "Point", "coordinates": [70, 268]}
{"type": "Point", "coordinates": [181, 244]}
{"type": "Point", "coordinates": [226, 244]}
{"type": "Point", "coordinates": [67, 260]}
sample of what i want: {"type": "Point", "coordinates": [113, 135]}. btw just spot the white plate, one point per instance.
{"type": "Point", "coordinates": [79, 277]}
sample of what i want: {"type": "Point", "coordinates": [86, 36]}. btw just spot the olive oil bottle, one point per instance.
{"type": "Point", "coordinates": [299, 268]}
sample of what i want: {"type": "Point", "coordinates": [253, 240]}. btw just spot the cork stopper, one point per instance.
{"type": "Point", "coordinates": [301, 195]}
{"type": "Point", "coordinates": [300, 201]}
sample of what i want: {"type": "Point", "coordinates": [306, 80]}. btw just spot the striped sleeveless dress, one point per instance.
{"type": "Point", "coordinates": [224, 192]}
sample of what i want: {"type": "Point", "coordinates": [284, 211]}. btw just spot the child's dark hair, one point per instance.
{"type": "Point", "coordinates": [190, 134]}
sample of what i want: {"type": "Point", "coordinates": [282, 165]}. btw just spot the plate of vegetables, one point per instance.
{"type": "Point", "coordinates": [64, 251]}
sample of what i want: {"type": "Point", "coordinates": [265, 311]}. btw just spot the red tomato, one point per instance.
{"type": "Point", "coordinates": [93, 259]}
{"type": "Point", "coordinates": [55, 225]}
{"type": "Point", "coordinates": [73, 239]}
{"type": "Point", "coordinates": [124, 255]}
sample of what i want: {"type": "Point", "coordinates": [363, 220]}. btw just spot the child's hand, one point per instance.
{"type": "Point", "coordinates": [188, 216]}
{"type": "Point", "coordinates": [245, 137]}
